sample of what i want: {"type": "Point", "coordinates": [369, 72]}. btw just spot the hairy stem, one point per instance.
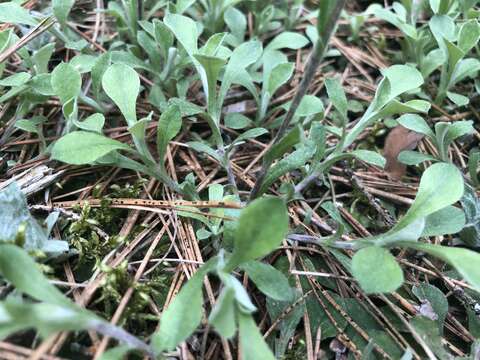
{"type": "Point", "coordinates": [325, 32]}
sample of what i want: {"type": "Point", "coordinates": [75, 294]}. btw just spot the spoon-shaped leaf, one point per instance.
{"type": "Point", "coordinates": [184, 313]}
{"type": "Point", "coordinates": [397, 80]}
{"type": "Point", "coordinates": [463, 260]}
{"type": "Point", "coordinates": [83, 147]}
{"type": "Point", "coordinates": [122, 85]}
{"type": "Point", "coordinates": [66, 82]}
{"type": "Point", "coordinates": [252, 343]}
{"type": "Point", "coordinates": [185, 31]}
{"type": "Point", "coordinates": [243, 56]}
{"type": "Point", "coordinates": [441, 185]}
{"type": "Point", "coordinates": [169, 125]}
{"type": "Point", "coordinates": [261, 228]}
{"type": "Point", "coordinates": [376, 270]}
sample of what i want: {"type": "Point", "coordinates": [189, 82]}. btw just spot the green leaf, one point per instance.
{"type": "Point", "coordinates": [169, 125]}
{"type": "Point", "coordinates": [16, 79]}
{"type": "Point", "coordinates": [455, 54]}
{"type": "Point", "coordinates": [213, 45]}
{"type": "Point", "coordinates": [409, 157]}
{"type": "Point", "coordinates": [262, 226]}
{"type": "Point", "coordinates": [42, 84]}
{"type": "Point", "coordinates": [465, 68]}
{"type": "Point", "coordinates": [61, 9]}
{"type": "Point", "coordinates": [291, 162]}
{"type": "Point", "coordinates": [185, 31]}
{"type": "Point", "coordinates": [376, 270]}
{"type": "Point", "coordinates": [436, 299]}
{"type": "Point", "coordinates": [458, 129]}
{"type": "Point", "coordinates": [122, 85]}
{"type": "Point", "coordinates": [83, 63]}
{"type": "Point", "coordinates": [416, 123]}
{"type": "Point", "coordinates": [470, 234]}
{"type": "Point", "coordinates": [295, 160]}
{"type": "Point", "coordinates": [30, 280]}
{"type": "Point", "coordinates": [395, 20]}
{"type": "Point", "coordinates": [11, 12]}
{"type": "Point", "coordinates": [66, 82]}
{"type": "Point", "coordinates": [17, 224]}
{"type": "Point", "coordinates": [449, 220]}
{"type": "Point", "coordinates": [290, 319]}
{"type": "Point", "coordinates": [186, 107]}
{"type": "Point", "coordinates": [402, 78]}
{"type": "Point", "coordinates": [431, 62]}
{"type": "Point", "coordinates": [370, 157]}
{"type": "Point", "coordinates": [251, 340]}
{"type": "Point", "coordinates": [318, 136]}
{"type": "Point", "coordinates": [458, 99]}
{"type": "Point", "coordinates": [163, 36]}
{"type": "Point", "coordinates": [280, 75]}
{"type": "Point", "coordinates": [46, 318]}
{"type": "Point", "coordinates": [236, 22]}
{"type": "Point", "coordinates": [336, 94]}
{"type": "Point", "coordinates": [395, 107]}
{"type": "Point", "coordinates": [26, 125]}
{"type": "Point", "coordinates": [212, 66]}
{"type": "Point", "coordinates": [463, 260]}
{"type": "Point", "coordinates": [397, 80]}
{"type": "Point", "coordinates": [468, 35]}
{"type": "Point", "coordinates": [222, 316]}
{"type": "Point", "coordinates": [184, 313]}
{"type": "Point", "coordinates": [140, 127]}
{"type": "Point", "coordinates": [147, 42]}
{"type": "Point", "coordinates": [181, 317]}
{"type": "Point", "coordinates": [41, 58]}
{"type": "Point", "coordinates": [56, 312]}
{"type": "Point", "coordinates": [285, 144]}
{"type": "Point", "coordinates": [429, 199]}
{"type": "Point", "coordinates": [127, 58]}
{"type": "Point", "coordinates": [93, 123]}
{"type": "Point", "coordinates": [430, 333]}
{"type": "Point", "coordinates": [182, 5]}
{"type": "Point", "coordinates": [287, 40]}
{"type": "Point", "coordinates": [442, 27]}
{"type": "Point", "coordinates": [310, 105]}
{"type": "Point", "coordinates": [440, 6]}
{"type": "Point", "coordinates": [269, 280]}
{"type": "Point", "coordinates": [237, 121]}
{"type": "Point", "coordinates": [250, 134]}
{"type": "Point", "coordinates": [202, 147]}
{"type": "Point", "coordinates": [244, 303]}
{"type": "Point", "coordinates": [82, 147]}
{"type": "Point", "coordinates": [409, 232]}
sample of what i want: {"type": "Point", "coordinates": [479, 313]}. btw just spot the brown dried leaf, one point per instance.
{"type": "Point", "coordinates": [398, 140]}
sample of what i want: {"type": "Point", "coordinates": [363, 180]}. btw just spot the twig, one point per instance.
{"type": "Point", "coordinates": [316, 57]}
{"type": "Point", "coordinates": [42, 26]}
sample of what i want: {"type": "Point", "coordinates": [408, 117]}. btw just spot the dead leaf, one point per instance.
{"type": "Point", "coordinates": [398, 140]}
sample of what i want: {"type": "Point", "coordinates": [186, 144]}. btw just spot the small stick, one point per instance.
{"type": "Point", "coordinates": [149, 203]}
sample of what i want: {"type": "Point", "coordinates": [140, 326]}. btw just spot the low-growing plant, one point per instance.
{"type": "Point", "coordinates": [455, 44]}
{"type": "Point", "coordinates": [177, 57]}
{"type": "Point", "coordinates": [260, 228]}
{"type": "Point", "coordinates": [445, 133]}
{"type": "Point", "coordinates": [122, 85]}
{"type": "Point", "coordinates": [397, 80]}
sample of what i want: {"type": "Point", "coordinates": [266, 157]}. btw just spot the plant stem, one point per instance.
{"type": "Point", "coordinates": [315, 59]}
